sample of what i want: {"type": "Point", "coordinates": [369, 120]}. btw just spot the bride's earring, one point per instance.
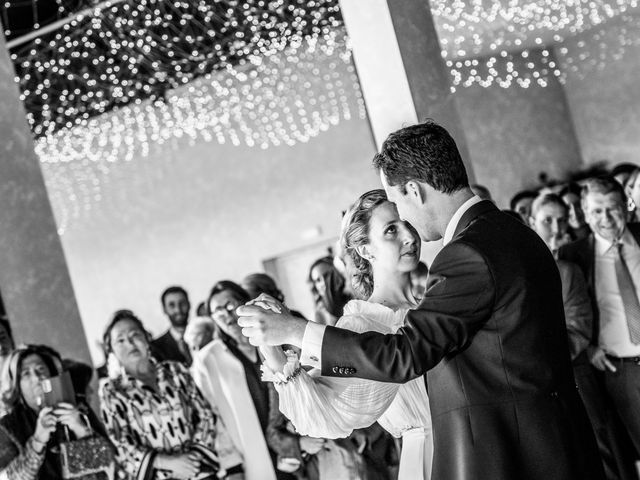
{"type": "Point", "coordinates": [631, 205]}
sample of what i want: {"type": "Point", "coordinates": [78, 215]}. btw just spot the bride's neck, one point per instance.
{"type": "Point", "coordinates": [394, 291]}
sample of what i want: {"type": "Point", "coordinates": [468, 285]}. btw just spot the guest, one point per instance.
{"type": "Point", "coordinates": [28, 446]}
{"type": "Point", "coordinates": [610, 260]}
{"type": "Point", "coordinates": [621, 172]}
{"type": "Point", "coordinates": [201, 310]}
{"type": "Point", "coordinates": [481, 191]}
{"type": "Point", "coordinates": [257, 283]}
{"type": "Point", "coordinates": [155, 415]}
{"type": "Point", "coordinates": [632, 190]}
{"type": "Point", "coordinates": [570, 195]}
{"type": "Point", "coordinates": [328, 290]}
{"type": "Point", "coordinates": [6, 347]}
{"type": "Point", "coordinates": [199, 333]}
{"type": "Point", "coordinates": [521, 204]}
{"type": "Point", "coordinates": [550, 219]}
{"type": "Point", "coordinates": [227, 370]}
{"type": "Point", "coordinates": [171, 345]}
{"type": "Point", "coordinates": [81, 375]}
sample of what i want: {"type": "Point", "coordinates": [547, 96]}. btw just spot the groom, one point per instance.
{"type": "Point", "coordinates": [490, 333]}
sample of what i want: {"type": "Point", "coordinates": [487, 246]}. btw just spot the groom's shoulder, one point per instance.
{"type": "Point", "coordinates": [500, 238]}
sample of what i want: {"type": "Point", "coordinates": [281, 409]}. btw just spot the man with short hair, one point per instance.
{"type": "Point", "coordinates": [489, 334]}
{"type": "Point", "coordinates": [521, 204]}
{"type": "Point", "coordinates": [171, 345]}
{"type": "Point", "coordinates": [610, 261]}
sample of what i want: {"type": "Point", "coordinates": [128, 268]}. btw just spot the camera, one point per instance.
{"type": "Point", "coordinates": [57, 390]}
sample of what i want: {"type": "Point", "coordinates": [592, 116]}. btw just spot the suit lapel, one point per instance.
{"type": "Point", "coordinates": [470, 215]}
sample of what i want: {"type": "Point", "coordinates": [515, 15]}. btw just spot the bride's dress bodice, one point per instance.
{"type": "Point", "coordinates": [410, 407]}
{"type": "Point", "coordinates": [329, 407]}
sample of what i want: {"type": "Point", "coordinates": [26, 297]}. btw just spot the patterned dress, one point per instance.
{"type": "Point", "coordinates": [142, 423]}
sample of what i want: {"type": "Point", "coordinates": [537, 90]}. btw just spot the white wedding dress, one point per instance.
{"type": "Point", "coordinates": [328, 407]}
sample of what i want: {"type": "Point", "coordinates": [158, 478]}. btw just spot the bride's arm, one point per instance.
{"type": "Point", "coordinates": [274, 357]}
{"type": "Point", "coordinates": [328, 407]}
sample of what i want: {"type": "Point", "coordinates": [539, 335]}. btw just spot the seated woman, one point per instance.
{"type": "Point", "coordinates": [155, 415]}
{"type": "Point", "coordinates": [27, 444]}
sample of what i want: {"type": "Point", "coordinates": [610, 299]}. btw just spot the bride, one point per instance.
{"type": "Point", "coordinates": [383, 250]}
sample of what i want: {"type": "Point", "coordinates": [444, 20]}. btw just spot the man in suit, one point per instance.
{"type": "Point", "coordinates": [490, 330]}
{"type": "Point", "coordinates": [171, 345]}
{"type": "Point", "coordinates": [610, 260]}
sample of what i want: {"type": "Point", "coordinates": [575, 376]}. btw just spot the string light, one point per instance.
{"type": "Point", "coordinates": [492, 42]}
{"type": "Point", "coordinates": [131, 51]}
{"type": "Point", "coordinates": [118, 82]}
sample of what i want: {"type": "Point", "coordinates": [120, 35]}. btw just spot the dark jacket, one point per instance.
{"type": "Point", "coordinates": [491, 333]}
{"type": "Point", "coordinates": [165, 347]}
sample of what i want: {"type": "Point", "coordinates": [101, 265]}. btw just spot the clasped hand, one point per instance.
{"type": "Point", "coordinates": [63, 413]}
{"type": "Point", "coordinates": [266, 321]}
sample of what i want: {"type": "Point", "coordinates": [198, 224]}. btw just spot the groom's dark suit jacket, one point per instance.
{"type": "Point", "coordinates": [491, 334]}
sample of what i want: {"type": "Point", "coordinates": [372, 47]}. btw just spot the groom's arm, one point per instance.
{"type": "Point", "coordinates": [458, 302]}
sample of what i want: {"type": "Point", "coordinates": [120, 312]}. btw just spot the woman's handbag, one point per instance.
{"type": "Point", "coordinates": [89, 458]}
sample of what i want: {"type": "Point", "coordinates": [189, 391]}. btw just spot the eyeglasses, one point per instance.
{"type": "Point", "coordinates": [229, 308]}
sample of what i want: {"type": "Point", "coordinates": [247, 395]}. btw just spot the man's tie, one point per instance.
{"type": "Point", "coordinates": [184, 350]}
{"type": "Point", "coordinates": [628, 294]}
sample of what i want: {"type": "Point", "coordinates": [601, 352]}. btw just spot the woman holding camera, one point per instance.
{"type": "Point", "coordinates": [27, 443]}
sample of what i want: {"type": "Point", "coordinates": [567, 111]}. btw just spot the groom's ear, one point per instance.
{"type": "Point", "coordinates": [415, 191]}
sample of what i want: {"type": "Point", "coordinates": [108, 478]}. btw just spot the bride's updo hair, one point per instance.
{"type": "Point", "coordinates": [355, 232]}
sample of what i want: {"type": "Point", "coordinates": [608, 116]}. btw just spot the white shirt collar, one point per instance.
{"type": "Point", "coordinates": [603, 245]}
{"type": "Point", "coordinates": [453, 223]}
{"type": "Point", "coordinates": [175, 334]}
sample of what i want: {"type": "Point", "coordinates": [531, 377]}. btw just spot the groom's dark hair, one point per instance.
{"type": "Point", "coordinates": [424, 152]}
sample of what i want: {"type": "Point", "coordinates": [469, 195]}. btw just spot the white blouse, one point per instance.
{"type": "Point", "coordinates": [328, 407]}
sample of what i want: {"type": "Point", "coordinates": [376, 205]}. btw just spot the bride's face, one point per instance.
{"type": "Point", "coordinates": [394, 245]}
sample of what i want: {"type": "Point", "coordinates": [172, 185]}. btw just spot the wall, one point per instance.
{"type": "Point", "coordinates": [602, 67]}
{"type": "Point", "coordinates": [515, 133]}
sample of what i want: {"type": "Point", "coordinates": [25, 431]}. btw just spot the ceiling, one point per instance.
{"type": "Point", "coordinates": [73, 68]}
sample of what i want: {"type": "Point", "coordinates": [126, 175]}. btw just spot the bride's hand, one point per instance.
{"type": "Point", "coordinates": [267, 302]}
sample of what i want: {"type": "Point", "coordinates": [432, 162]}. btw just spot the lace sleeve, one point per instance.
{"type": "Point", "coordinates": [24, 465]}
{"type": "Point", "coordinates": [328, 407]}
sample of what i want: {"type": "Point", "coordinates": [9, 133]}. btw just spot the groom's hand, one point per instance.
{"type": "Point", "coordinates": [266, 327]}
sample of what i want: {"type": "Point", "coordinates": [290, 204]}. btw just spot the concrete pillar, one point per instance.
{"type": "Point", "coordinates": [402, 74]}
{"type": "Point", "coordinates": [34, 280]}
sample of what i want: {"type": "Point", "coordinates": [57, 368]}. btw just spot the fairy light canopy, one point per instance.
{"type": "Point", "coordinates": [105, 81]}
{"type": "Point", "coordinates": [77, 59]}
